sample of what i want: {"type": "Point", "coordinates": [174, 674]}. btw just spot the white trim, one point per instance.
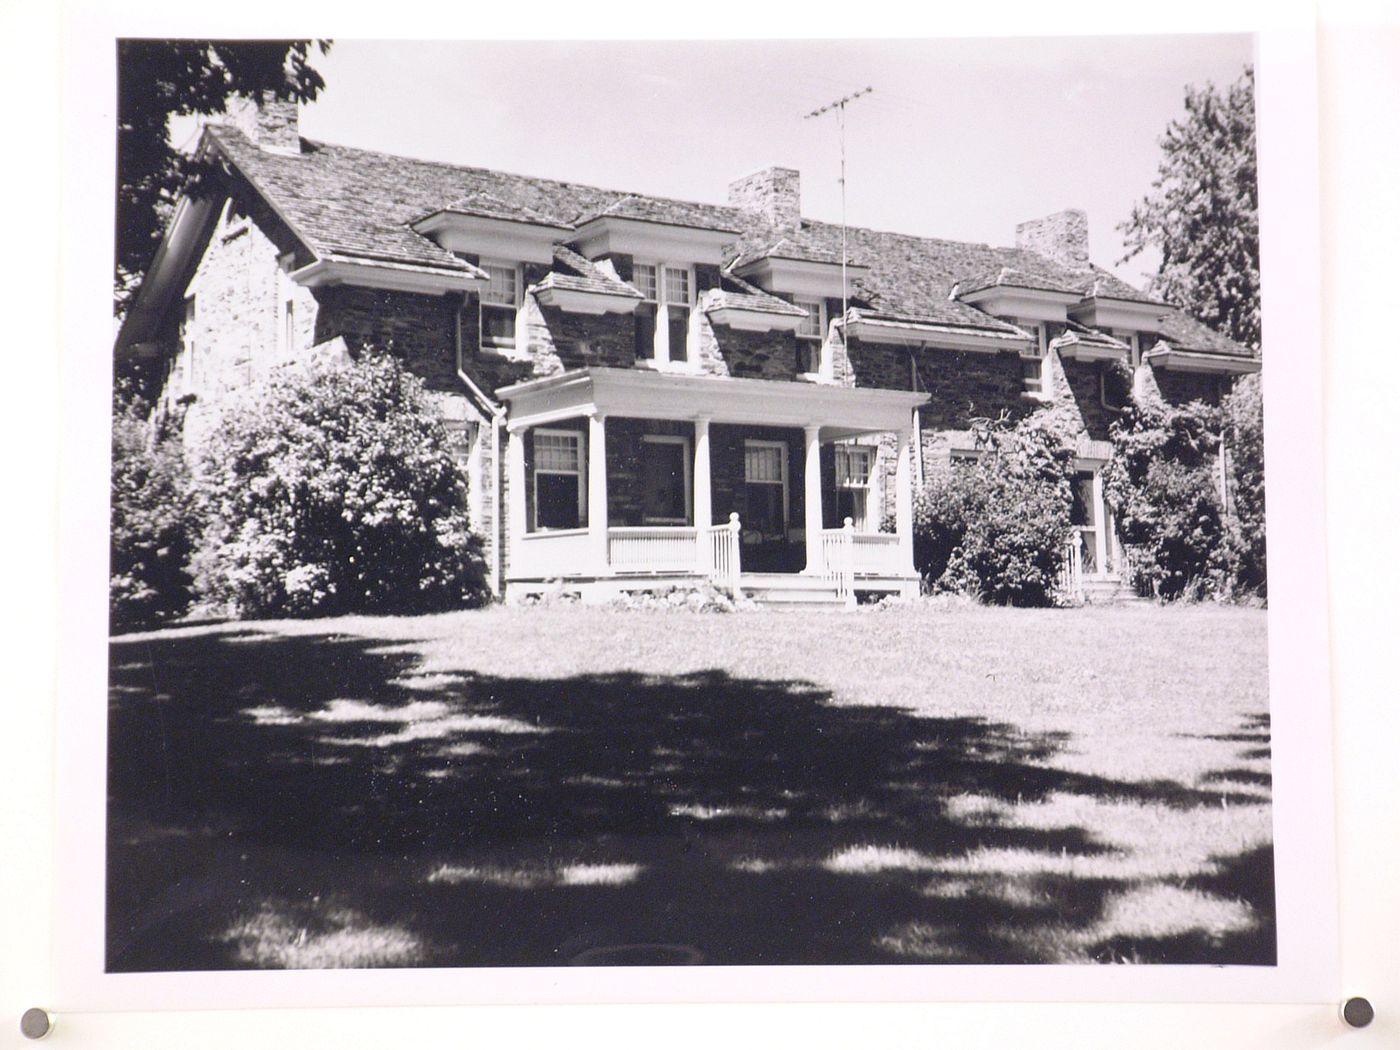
{"type": "Point", "coordinates": [662, 355]}
{"type": "Point", "coordinates": [800, 276]}
{"type": "Point", "coordinates": [581, 473]}
{"type": "Point", "coordinates": [1198, 361]}
{"type": "Point", "coordinates": [367, 273]}
{"type": "Point", "coordinates": [737, 317]}
{"type": "Point", "coordinates": [935, 336]}
{"type": "Point", "coordinates": [1103, 312]}
{"type": "Point", "coordinates": [1008, 300]}
{"type": "Point", "coordinates": [616, 235]}
{"type": "Point", "coordinates": [578, 301]}
{"type": "Point", "coordinates": [645, 394]}
{"type": "Point", "coordinates": [684, 443]}
{"type": "Point", "coordinates": [484, 235]}
{"type": "Point", "coordinates": [872, 454]}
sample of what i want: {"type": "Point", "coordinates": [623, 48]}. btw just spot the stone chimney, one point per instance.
{"type": "Point", "coordinates": [1063, 237]}
{"type": "Point", "coordinates": [269, 122]}
{"type": "Point", "coordinates": [773, 194]}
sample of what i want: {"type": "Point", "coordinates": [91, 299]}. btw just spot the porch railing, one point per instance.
{"type": "Point", "coordinates": [660, 548]}
{"type": "Point", "coordinates": [1072, 571]}
{"type": "Point", "coordinates": [719, 554]}
{"type": "Point", "coordinates": [838, 559]}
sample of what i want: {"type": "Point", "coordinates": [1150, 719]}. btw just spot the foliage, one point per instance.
{"type": "Point", "coordinates": [1163, 483]}
{"type": "Point", "coordinates": [1243, 419]}
{"type": "Point", "coordinates": [152, 521]}
{"type": "Point", "coordinates": [998, 527]}
{"type": "Point", "coordinates": [157, 79]}
{"type": "Point", "coordinates": [1203, 212]}
{"type": "Point", "coordinates": [329, 489]}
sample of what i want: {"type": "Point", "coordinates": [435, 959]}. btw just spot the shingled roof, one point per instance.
{"type": "Point", "coordinates": [362, 203]}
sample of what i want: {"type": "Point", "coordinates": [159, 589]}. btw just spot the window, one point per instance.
{"type": "Point", "coordinates": [499, 301]}
{"type": "Point", "coordinates": [662, 322]}
{"type": "Point", "coordinates": [1131, 338]}
{"type": "Point", "coordinates": [559, 484]}
{"type": "Point", "coordinates": [1033, 378]}
{"type": "Point", "coordinates": [810, 336]}
{"type": "Point", "coordinates": [235, 221]}
{"type": "Point", "coordinates": [765, 491]}
{"type": "Point", "coordinates": [665, 479]}
{"type": "Point", "coordinates": [289, 326]}
{"type": "Point", "coordinates": [854, 464]}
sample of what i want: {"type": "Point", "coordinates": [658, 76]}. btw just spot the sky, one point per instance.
{"type": "Point", "coordinates": [960, 138]}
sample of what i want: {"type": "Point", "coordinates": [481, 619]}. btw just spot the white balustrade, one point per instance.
{"type": "Point", "coordinates": [719, 553]}
{"type": "Point", "coordinates": [658, 548]}
{"type": "Point", "coordinates": [552, 553]}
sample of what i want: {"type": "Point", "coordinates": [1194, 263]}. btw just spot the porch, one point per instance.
{"type": "Point", "coordinates": [624, 479]}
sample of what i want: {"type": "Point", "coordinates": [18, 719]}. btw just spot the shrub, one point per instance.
{"type": "Point", "coordinates": [1164, 483]}
{"type": "Point", "coordinates": [152, 521]}
{"type": "Point", "coordinates": [997, 527]}
{"type": "Point", "coordinates": [1243, 413]}
{"type": "Point", "coordinates": [329, 489]}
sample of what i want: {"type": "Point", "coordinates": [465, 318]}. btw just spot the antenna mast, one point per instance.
{"type": "Point", "coordinates": [840, 107]}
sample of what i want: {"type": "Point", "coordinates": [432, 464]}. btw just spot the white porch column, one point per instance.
{"type": "Point", "coordinates": [1100, 526]}
{"type": "Point", "coordinates": [812, 487]}
{"type": "Point", "coordinates": [516, 482]}
{"type": "Point", "coordinates": [700, 475]}
{"type": "Point", "coordinates": [904, 500]}
{"type": "Point", "coordinates": [598, 490]}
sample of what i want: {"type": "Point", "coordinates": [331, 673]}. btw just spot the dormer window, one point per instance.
{"type": "Point", "coordinates": [1131, 338]}
{"type": "Point", "coordinates": [810, 335]}
{"type": "Point", "coordinates": [1033, 377]}
{"type": "Point", "coordinates": [500, 300]}
{"type": "Point", "coordinates": [663, 319]}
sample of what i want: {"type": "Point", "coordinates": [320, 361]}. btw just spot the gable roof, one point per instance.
{"type": "Point", "coordinates": [361, 203]}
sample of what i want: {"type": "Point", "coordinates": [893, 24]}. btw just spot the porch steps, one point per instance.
{"type": "Point", "coordinates": [1108, 590]}
{"type": "Point", "coordinates": [784, 590]}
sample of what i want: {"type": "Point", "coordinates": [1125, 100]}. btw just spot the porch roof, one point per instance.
{"type": "Point", "coordinates": [644, 394]}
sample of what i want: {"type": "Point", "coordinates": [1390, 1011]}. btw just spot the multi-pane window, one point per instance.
{"type": "Point", "coordinates": [1033, 360]}
{"type": "Point", "coordinates": [644, 320]}
{"type": "Point", "coordinates": [559, 485]}
{"type": "Point", "coordinates": [677, 282]}
{"type": "Point", "coordinates": [662, 321]}
{"type": "Point", "coordinates": [1131, 338]}
{"type": "Point", "coordinates": [853, 471]}
{"type": "Point", "coordinates": [810, 335]}
{"type": "Point", "coordinates": [765, 490]}
{"type": "Point", "coordinates": [499, 300]}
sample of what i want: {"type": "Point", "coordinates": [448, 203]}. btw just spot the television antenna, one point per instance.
{"type": "Point", "coordinates": [839, 106]}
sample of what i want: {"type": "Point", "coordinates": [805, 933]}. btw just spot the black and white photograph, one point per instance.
{"type": "Point", "coordinates": [705, 503]}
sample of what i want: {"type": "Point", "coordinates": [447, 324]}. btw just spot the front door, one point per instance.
{"type": "Point", "coordinates": [765, 516]}
{"type": "Point", "coordinates": [1088, 516]}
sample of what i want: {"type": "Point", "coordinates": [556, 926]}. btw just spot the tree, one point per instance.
{"type": "Point", "coordinates": [1203, 212]}
{"type": "Point", "coordinates": [158, 79]}
{"type": "Point", "coordinates": [330, 489]}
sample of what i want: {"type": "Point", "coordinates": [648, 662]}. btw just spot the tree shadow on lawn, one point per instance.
{"type": "Point", "coordinates": [312, 801]}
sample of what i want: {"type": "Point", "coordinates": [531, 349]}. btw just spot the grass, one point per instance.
{"type": "Point", "coordinates": [928, 783]}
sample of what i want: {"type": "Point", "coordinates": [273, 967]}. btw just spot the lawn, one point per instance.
{"type": "Point", "coordinates": [925, 783]}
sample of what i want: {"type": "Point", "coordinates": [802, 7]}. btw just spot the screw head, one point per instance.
{"type": "Point", "coordinates": [36, 1023]}
{"type": "Point", "coordinates": [1358, 1012]}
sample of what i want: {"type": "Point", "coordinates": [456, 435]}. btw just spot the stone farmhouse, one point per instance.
{"type": "Point", "coordinates": [646, 392]}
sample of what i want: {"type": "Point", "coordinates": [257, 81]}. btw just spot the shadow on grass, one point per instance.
{"type": "Point", "coordinates": [313, 801]}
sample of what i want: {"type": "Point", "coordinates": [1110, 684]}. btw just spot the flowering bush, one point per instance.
{"type": "Point", "coordinates": [152, 522]}
{"type": "Point", "coordinates": [997, 527]}
{"type": "Point", "coordinates": [330, 490]}
{"type": "Point", "coordinates": [1164, 482]}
